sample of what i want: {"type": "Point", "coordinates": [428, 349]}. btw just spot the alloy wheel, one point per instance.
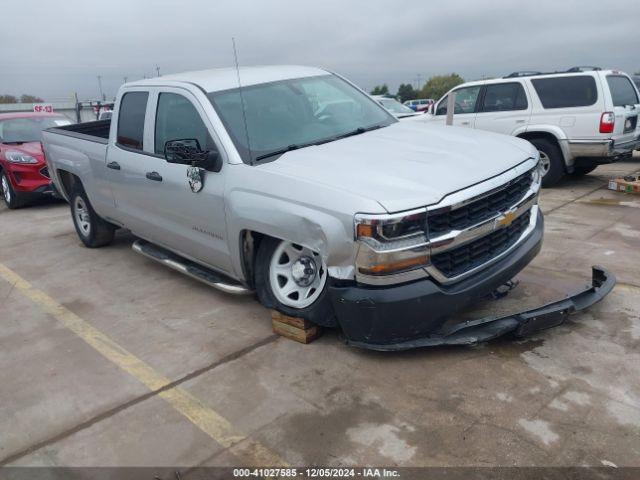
{"type": "Point", "coordinates": [81, 214]}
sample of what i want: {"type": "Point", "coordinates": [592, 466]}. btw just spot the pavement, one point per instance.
{"type": "Point", "coordinates": [109, 359]}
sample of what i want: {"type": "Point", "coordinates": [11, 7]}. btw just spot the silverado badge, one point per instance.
{"type": "Point", "coordinates": [196, 178]}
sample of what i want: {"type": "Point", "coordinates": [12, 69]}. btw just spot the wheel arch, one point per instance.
{"type": "Point", "coordinates": [554, 135]}
{"type": "Point", "coordinates": [68, 182]}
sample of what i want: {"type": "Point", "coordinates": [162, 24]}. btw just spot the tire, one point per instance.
{"type": "Point", "coordinates": [93, 231]}
{"type": "Point", "coordinates": [551, 155]}
{"type": "Point", "coordinates": [271, 285]}
{"type": "Point", "coordinates": [579, 170]}
{"type": "Point", "coordinates": [11, 198]}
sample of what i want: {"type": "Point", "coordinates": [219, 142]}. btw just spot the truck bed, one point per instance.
{"type": "Point", "coordinates": [97, 131]}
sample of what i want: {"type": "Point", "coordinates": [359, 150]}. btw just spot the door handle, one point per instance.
{"type": "Point", "coordinates": [464, 123]}
{"type": "Point", "coordinates": [520, 121]}
{"type": "Point", "coordinates": [113, 165]}
{"type": "Point", "coordinates": [155, 176]}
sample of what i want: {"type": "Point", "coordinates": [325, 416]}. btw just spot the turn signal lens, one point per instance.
{"type": "Point", "coordinates": [364, 230]}
{"type": "Point", "coordinates": [607, 122]}
{"type": "Point", "coordinates": [387, 268]}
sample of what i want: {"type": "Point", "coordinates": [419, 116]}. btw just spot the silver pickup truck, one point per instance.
{"type": "Point", "coordinates": [293, 183]}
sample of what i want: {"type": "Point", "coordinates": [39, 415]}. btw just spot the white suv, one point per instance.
{"type": "Point", "coordinates": [576, 119]}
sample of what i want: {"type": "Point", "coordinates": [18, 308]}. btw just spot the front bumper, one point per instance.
{"type": "Point", "coordinates": [414, 314]}
{"type": "Point", "coordinates": [29, 179]}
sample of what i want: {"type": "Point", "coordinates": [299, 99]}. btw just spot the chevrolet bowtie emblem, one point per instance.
{"type": "Point", "coordinates": [505, 220]}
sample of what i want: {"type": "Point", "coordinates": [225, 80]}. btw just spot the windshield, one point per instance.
{"type": "Point", "coordinates": [295, 113]}
{"type": "Point", "coordinates": [22, 130]}
{"type": "Point", "coordinates": [395, 106]}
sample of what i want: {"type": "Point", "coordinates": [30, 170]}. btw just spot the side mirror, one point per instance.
{"type": "Point", "coordinates": [187, 151]}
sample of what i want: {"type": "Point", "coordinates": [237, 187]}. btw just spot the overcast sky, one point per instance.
{"type": "Point", "coordinates": [53, 48]}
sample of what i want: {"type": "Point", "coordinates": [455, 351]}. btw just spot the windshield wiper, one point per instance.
{"type": "Point", "coordinates": [281, 151]}
{"type": "Point", "coordinates": [352, 133]}
{"type": "Point", "coordinates": [14, 142]}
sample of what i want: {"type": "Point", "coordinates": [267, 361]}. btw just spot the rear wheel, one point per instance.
{"type": "Point", "coordinates": [293, 280]}
{"type": "Point", "coordinates": [11, 198]}
{"type": "Point", "coordinates": [551, 160]}
{"type": "Point", "coordinates": [92, 230]}
{"type": "Point", "coordinates": [583, 169]}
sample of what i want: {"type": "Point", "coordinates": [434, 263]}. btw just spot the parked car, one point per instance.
{"type": "Point", "coordinates": [419, 104]}
{"type": "Point", "coordinates": [576, 119]}
{"type": "Point", "coordinates": [396, 109]}
{"type": "Point", "coordinates": [23, 173]}
{"type": "Point", "coordinates": [301, 187]}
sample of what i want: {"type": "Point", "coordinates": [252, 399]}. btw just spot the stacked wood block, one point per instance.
{"type": "Point", "coordinates": [294, 328]}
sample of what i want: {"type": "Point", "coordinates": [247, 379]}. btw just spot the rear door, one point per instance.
{"type": "Point", "coordinates": [503, 108]}
{"type": "Point", "coordinates": [626, 107]}
{"type": "Point", "coordinates": [465, 107]}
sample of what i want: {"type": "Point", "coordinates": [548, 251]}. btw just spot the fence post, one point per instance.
{"type": "Point", "coordinates": [451, 106]}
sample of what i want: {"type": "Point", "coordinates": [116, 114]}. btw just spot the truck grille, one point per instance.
{"type": "Point", "coordinates": [473, 254]}
{"type": "Point", "coordinates": [480, 210]}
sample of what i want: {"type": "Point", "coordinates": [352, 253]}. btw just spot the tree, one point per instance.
{"type": "Point", "coordinates": [380, 90]}
{"type": "Point", "coordinates": [8, 99]}
{"type": "Point", "coordinates": [30, 99]}
{"type": "Point", "coordinates": [406, 92]}
{"type": "Point", "coordinates": [438, 85]}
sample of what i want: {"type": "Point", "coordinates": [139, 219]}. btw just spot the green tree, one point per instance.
{"type": "Point", "coordinates": [8, 99]}
{"type": "Point", "coordinates": [380, 90]}
{"type": "Point", "coordinates": [30, 99]}
{"type": "Point", "coordinates": [438, 85]}
{"type": "Point", "coordinates": [406, 92]}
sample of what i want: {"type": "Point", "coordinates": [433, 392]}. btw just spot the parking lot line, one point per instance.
{"type": "Point", "coordinates": [202, 416]}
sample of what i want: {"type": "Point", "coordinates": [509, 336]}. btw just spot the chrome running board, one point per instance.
{"type": "Point", "coordinates": [189, 268]}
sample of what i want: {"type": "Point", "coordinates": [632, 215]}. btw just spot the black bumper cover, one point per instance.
{"type": "Point", "coordinates": [414, 314]}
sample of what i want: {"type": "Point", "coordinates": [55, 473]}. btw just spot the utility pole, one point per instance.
{"type": "Point", "coordinates": [125, 79]}
{"type": "Point", "coordinates": [100, 86]}
{"type": "Point", "coordinates": [158, 70]}
{"type": "Point", "coordinates": [418, 81]}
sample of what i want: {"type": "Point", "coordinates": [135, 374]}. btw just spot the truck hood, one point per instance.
{"type": "Point", "coordinates": [407, 164]}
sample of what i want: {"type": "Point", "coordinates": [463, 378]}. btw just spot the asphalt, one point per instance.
{"type": "Point", "coordinates": [108, 359]}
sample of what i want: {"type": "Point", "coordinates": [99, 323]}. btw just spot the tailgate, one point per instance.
{"type": "Point", "coordinates": [626, 107]}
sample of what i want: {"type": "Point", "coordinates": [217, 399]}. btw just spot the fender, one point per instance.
{"type": "Point", "coordinates": [331, 235]}
{"type": "Point", "coordinates": [554, 130]}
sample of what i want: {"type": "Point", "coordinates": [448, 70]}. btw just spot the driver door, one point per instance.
{"type": "Point", "coordinates": [191, 223]}
{"type": "Point", "coordinates": [465, 107]}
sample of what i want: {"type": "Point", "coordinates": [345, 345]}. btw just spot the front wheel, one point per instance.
{"type": "Point", "coordinates": [293, 280]}
{"type": "Point", "coordinates": [11, 198]}
{"type": "Point", "coordinates": [92, 230]}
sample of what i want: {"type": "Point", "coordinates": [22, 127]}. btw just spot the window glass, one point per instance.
{"type": "Point", "coordinates": [131, 119]}
{"type": "Point", "coordinates": [178, 119]}
{"type": "Point", "coordinates": [465, 101]}
{"type": "Point", "coordinates": [296, 112]}
{"type": "Point", "coordinates": [622, 91]}
{"type": "Point", "coordinates": [28, 129]}
{"type": "Point", "coordinates": [563, 92]}
{"type": "Point", "coordinates": [501, 97]}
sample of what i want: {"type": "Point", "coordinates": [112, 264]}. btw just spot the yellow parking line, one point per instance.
{"type": "Point", "coordinates": [202, 416]}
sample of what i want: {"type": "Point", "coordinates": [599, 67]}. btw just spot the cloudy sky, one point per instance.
{"type": "Point", "coordinates": [54, 48]}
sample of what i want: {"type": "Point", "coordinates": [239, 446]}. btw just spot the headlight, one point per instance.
{"type": "Point", "coordinates": [19, 157]}
{"type": "Point", "coordinates": [391, 243]}
{"type": "Point", "coordinates": [537, 172]}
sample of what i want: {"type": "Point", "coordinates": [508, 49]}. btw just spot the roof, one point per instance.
{"type": "Point", "coordinates": [226, 78]}
{"type": "Point", "coordinates": [7, 116]}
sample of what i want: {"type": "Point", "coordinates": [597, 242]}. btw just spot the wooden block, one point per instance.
{"type": "Point", "coordinates": [297, 329]}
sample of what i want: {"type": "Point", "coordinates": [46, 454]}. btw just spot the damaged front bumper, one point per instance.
{"type": "Point", "coordinates": [519, 325]}
{"type": "Point", "coordinates": [418, 314]}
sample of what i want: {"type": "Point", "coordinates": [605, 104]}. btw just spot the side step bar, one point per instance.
{"type": "Point", "coordinates": [189, 268]}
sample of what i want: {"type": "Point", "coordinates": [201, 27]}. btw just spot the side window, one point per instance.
{"type": "Point", "coordinates": [564, 92]}
{"type": "Point", "coordinates": [133, 106]}
{"type": "Point", "coordinates": [622, 91]}
{"type": "Point", "coordinates": [177, 119]}
{"type": "Point", "coordinates": [466, 99]}
{"type": "Point", "coordinates": [501, 97]}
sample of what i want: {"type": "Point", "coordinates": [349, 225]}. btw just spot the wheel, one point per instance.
{"type": "Point", "coordinates": [92, 230]}
{"type": "Point", "coordinates": [583, 169]}
{"type": "Point", "coordinates": [293, 280]}
{"type": "Point", "coordinates": [551, 159]}
{"type": "Point", "coordinates": [11, 198]}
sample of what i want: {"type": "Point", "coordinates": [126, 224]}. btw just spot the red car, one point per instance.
{"type": "Point", "coordinates": [23, 171]}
